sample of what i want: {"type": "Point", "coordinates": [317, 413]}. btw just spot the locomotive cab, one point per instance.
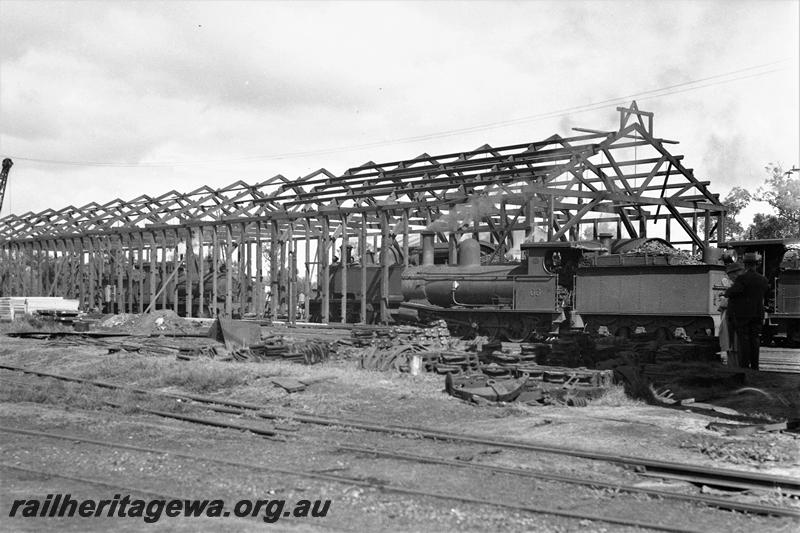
{"type": "Point", "coordinates": [781, 266]}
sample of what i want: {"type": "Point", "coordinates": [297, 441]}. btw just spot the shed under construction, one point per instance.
{"type": "Point", "coordinates": [251, 249]}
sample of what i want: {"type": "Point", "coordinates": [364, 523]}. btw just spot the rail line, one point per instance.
{"type": "Point", "coordinates": [735, 479]}
{"type": "Point", "coordinates": [92, 481]}
{"type": "Point", "coordinates": [710, 501]}
{"type": "Point", "coordinates": [692, 498]}
{"type": "Point", "coordinates": [352, 481]}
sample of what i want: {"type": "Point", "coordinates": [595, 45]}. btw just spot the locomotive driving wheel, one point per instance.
{"type": "Point", "coordinates": [490, 326]}
{"type": "Point", "coordinates": [518, 329]}
{"type": "Point", "coordinates": [464, 327]}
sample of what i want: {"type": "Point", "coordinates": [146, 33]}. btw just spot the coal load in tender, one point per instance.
{"type": "Point", "coordinates": [676, 257]}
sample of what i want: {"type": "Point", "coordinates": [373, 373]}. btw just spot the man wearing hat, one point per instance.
{"type": "Point", "coordinates": [727, 340]}
{"type": "Point", "coordinates": [746, 306]}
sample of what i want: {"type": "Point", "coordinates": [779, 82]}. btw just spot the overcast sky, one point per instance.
{"type": "Point", "coordinates": [115, 99]}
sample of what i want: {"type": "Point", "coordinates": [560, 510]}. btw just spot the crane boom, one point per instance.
{"type": "Point", "coordinates": [7, 164]}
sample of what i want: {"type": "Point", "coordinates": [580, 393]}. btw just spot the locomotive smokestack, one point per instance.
{"type": "Point", "coordinates": [605, 239]}
{"type": "Point", "coordinates": [453, 249]}
{"type": "Point", "coordinates": [469, 253]}
{"type": "Point", "coordinates": [427, 248]}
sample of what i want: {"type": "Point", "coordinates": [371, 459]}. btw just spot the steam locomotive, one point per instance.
{"type": "Point", "coordinates": [138, 278]}
{"type": "Point", "coordinates": [602, 287]}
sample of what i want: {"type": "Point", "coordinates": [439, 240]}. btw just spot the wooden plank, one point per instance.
{"type": "Point", "coordinates": [244, 265]}
{"type": "Point", "coordinates": [344, 261]}
{"type": "Point", "coordinates": [282, 300]}
{"type": "Point", "coordinates": [405, 238]}
{"type": "Point", "coordinates": [215, 271]}
{"type": "Point", "coordinates": [189, 261]}
{"type": "Point", "coordinates": [288, 384]}
{"type": "Point", "coordinates": [91, 262]}
{"type": "Point", "coordinates": [685, 225]}
{"type": "Point", "coordinates": [259, 297]}
{"type": "Point", "coordinates": [164, 286]}
{"type": "Point", "coordinates": [324, 276]}
{"type": "Point", "coordinates": [174, 276]}
{"type": "Point", "coordinates": [81, 278]}
{"type": "Point", "coordinates": [129, 270]}
{"type": "Point", "coordinates": [273, 270]}
{"type": "Point", "coordinates": [575, 219]}
{"type": "Point", "coordinates": [163, 269]}
{"type": "Point", "coordinates": [307, 239]}
{"type": "Point", "coordinates": [292, 278]}
{"type": "Point", "coordinates": [153, 271]}
{"type": "Point", "coordinates": [228, 271]}
{"type": "Point", "coordinates": [384, 261]}
{"type": "Point", "coordinates": [140, 307]}
{"type": "Point", "coordinates": [201, 273]}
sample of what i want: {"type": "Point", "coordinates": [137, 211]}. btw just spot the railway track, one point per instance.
{"type": "Point", "coordinates": [414, 492]}
{"type": "Point", "coordinates": [334, 478]}
{"type": "Point", "coordinates": [113, 485]}
{"type": "Point", "coordinates": [733, 479]}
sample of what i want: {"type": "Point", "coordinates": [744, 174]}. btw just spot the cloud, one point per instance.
{"type": "Point", "coordinates": [728, 160]}
{"type": "Point", "coordinates": [214, 84]}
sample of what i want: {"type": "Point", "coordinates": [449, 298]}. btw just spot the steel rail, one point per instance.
{"type": "Point", "coordinates": [692, 498]}
{"type": "Point", "coordinates": [92, 481]}
{"type": "Point", "coordinates": [359, 482]}
{"type": "Point", "coordinates": [708, 475]}
{"type": "Point", "coordinates": [272, 433]}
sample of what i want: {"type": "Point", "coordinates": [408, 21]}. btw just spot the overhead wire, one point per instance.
{"type": "Point", "coordinates": [643, 95]}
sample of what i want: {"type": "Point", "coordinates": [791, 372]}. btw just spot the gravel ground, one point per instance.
{"type": "Point", "coordinates": [340, 389]}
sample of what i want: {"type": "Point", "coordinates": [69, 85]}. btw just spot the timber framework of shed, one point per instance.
{"type": "Point", "coordinates": [234, 245]}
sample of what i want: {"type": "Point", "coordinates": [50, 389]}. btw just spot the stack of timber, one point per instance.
{"type": "Point", "coordinates": [436, 336]}
{"type": "Point", "coordinates": [11, 306]}
{"type": "Point", "coordinates": [56, 307]}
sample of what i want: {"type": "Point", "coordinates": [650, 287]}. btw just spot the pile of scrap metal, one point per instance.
{"type": "Point", "coordinates": [244, 342]}
{"type": "Point", "coordinates": [276, 347]}
{"type": "Point", "coordinates": [401, 358]}
{"type": "Point", "coordinates": [532, 385]}
{"type": "Point", "coordinates": [457, 361]}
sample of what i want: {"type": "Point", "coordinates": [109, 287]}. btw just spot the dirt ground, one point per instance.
{"type": "Point", "coordinates": [614, 424]}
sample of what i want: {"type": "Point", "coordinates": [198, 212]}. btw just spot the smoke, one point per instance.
{"type": "Point", "coordinates": [478, 207]}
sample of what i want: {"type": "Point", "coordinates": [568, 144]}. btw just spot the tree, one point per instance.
{"type": "Point", "coordinates": [781, 190]}
{"type": "Point", "coordinates": [735, 201]}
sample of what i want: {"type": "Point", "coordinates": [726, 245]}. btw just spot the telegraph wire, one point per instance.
{"type": "Point", "coordinates": [644, 95]}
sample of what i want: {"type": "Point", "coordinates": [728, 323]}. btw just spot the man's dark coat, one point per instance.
{"type": "Point", "coordinates": [746, 296]}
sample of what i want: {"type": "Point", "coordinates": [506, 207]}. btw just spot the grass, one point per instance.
{"type": "Point", "coordinates": [86, 396]}
{"type": "Point", "coordinates": [616, 396]}
{"type": "Point", "coordinates": [157, 372]}
{"type": "Point", "coordinates": [26, 324]}
{"type": "Point", "coordinates": [200, 379]}
{"type": "Point", "coordinates": [78, 395]}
